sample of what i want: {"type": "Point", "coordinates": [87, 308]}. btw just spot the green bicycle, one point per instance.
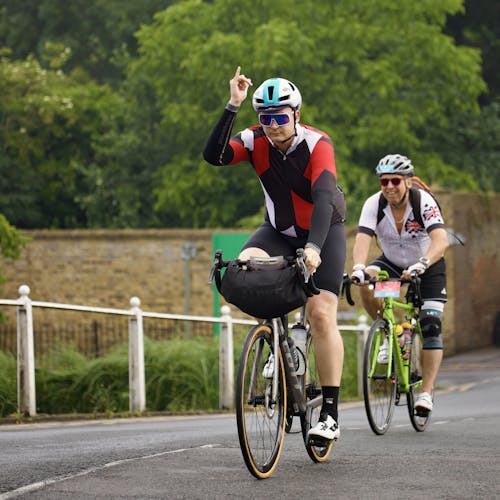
{"type": "Point", "coordinates": [384, 381]}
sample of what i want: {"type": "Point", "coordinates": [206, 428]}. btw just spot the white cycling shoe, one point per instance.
{"type": "Point", "coordinates": [383, 353]}
{"type": "Point", "coordinates": [300, 363]}
{"type": "Point", "coordinates": [424, 403]}
{"type": "Point", "coordinates": [325, 430]}
{"type": "Point", "coordinates": [268, 370]}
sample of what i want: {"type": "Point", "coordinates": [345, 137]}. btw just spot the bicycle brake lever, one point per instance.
{"type": "Point", "coordinates": [346, 289]}
{"type": "Point", "coordinates": [211, 276]}
{"type": "Point", "coordinates": [217, 262]}
{"type": "Point", "coordinates": [302, 265]}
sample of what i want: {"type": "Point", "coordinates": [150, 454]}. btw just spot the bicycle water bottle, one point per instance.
{"type": "Point", "coordinates": [299, 336]}
{"type": "Point", "coordinates": [405, 331]}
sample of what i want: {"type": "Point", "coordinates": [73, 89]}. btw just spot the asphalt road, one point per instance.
{"type": "Point", "coordinates": [457, 457]}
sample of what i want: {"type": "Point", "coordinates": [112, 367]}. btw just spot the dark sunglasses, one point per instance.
{"type": "Point", "coordinates": [396, 181]}
{"type": "Point", "coordinates": [280, 119]}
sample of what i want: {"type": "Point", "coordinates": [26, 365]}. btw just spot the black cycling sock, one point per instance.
{"type": "Point", "coordinates": [330, 399]}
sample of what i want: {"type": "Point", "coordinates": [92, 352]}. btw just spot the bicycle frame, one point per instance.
{"type": "Point", "coordinates": [388, 315]}
{"type": "Point", "coordinates": [292, 382]}
{"type": "Point", "coordinates": [293, 385]}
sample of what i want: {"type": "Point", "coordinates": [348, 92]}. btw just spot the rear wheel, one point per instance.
{"type": "Point", "coordinates": [260, 418]}
{"type": "Point", "coordinates": [418, 419]}
{"type": "Point", "coordinates": [379, 380]}
{"type": "Point", "coordinates": [312, 390]}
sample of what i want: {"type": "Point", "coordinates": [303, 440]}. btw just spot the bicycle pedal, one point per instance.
{"type": "Point", "coordinates": [422, 412]}
{"type": "Point", "coordinates": [322, 443]}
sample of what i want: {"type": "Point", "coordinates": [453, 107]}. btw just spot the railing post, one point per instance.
{"type": "Point", "coordinates": [363, 329]}
{"type": "Point", "coordinates": [26, 397]}
{"type": "Point", "coordinates": [226, 360]}
{"type": "Point", "coordinates": [136, 377]}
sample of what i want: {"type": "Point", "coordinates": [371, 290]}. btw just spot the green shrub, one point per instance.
{"type": "Point", "coordinates": [181, 376]}
{"type": "Point", "coordinates": [8, 384]}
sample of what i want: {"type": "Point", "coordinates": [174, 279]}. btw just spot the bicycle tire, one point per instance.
{"type": "Point", "coordinates": [260, 421]}
{"type": "Point", "coordinates": [312, 389]}
{"type": "Point", "coordinates": [419, 421]}
{"type": "Point", "coordinates": [379, 388]}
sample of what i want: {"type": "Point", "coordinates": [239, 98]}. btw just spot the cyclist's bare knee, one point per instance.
{"type": "Point", "coordinates": [370, 303]}
{"type": "Point", "coordinates": [252, 252]}
{"type": "Point", "coordinates": [322, 311]}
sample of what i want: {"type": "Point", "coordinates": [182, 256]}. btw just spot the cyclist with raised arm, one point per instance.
{"type": "Point", "coordinates": [411, 241]}
{"type": "Point", "coordinates": [305, 208]}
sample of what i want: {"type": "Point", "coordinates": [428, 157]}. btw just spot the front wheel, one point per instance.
{"type": "Point", "coordinates": [379, 380]}
{"type": "Point", "coordinates": [260, 417]}
{"type": "Point", "coordinates": [418, 420]}
{"type": "Point", "coordinates": [312, 393]}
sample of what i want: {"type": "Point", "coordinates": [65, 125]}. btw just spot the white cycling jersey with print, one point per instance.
{"type": "Point", "coordinates": [405, 248]}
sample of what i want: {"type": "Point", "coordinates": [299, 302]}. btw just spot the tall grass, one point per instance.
{"type": "Point", "coordinates": [8, 384]}
{"type": "Point", "coordinates": [181, 376]}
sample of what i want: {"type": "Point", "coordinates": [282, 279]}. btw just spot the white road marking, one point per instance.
{"type": "Point", "coordinates": [41, 484]}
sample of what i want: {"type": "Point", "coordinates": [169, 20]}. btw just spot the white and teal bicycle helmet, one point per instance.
{"type": "Point", "coordinates": [395, 164]}
{"type": "Point", "coordinates": [276, 93]}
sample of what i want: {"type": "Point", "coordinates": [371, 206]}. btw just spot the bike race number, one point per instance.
{"type": "Point", "coordinates": [387, 289]}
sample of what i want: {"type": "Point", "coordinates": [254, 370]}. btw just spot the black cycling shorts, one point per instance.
{"type": "Point", "coordinates": [329, 274]}
{"type": "Point", "coordinates": [433, 281]}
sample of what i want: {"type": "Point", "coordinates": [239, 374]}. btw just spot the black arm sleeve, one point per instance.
{"type": "Point", "coordinates": [329, 208]}
{"type": "Point", "coordinates": [217, 150]}
{"type": "Point", "coordinates": [321, 218]}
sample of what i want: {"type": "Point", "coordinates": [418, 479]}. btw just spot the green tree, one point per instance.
{"type": "Point", "coordinates": [99, 33]}
{"type": "Point", "coordinates": [51, 126]}
{"type": "Point", "coordinates": [478, 25]}
{"type": "Point", "coordinates": [376, 76]}
{"type": "Point", "coordinates": [11, 243]}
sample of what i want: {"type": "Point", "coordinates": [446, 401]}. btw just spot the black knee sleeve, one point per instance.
{"type": "Point", "coordinates": [431, 331]}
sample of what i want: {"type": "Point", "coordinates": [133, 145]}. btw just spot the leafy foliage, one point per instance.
{"type": "Point", "coordinates": [105, 106]}
{"type": "Point", "coordinates": [8, 387]}
{"type": "Point", "coordinates": [11, 243]}
{"type": "Point", "coordinates": [51, 129]}
{"type": "Point", "coordinates": [362, 83]}
{"type": "Point", "coordinates": [99, 34]}
{"type": "Point", "coordinates": [181, 376]}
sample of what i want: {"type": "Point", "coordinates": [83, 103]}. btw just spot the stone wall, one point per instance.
{"type": "Point", "coordinates": [105, 268]}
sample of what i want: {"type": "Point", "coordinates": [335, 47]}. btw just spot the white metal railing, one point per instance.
{"type": "Point", "coordinates": [26, 396]}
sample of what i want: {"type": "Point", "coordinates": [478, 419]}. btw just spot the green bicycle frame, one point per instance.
{"type": "Point", "coordinates": [390, 304]}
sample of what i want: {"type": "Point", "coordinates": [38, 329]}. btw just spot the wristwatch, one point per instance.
{"type": "Point", "coordinates": [425, 261]}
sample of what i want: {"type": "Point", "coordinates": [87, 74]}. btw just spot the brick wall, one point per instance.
{"type": "Point", "coordinates": [105, 268]}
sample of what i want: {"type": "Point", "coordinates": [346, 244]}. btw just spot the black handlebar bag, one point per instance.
{"type": "Point", "coordinates": [261, 292]}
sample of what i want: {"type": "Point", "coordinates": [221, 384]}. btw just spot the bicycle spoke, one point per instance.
{"type": "Point", "coordinates": [379, 381]}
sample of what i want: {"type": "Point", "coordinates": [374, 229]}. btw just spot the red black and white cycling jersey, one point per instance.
{"type": "Point", "coordinates": [301, 193]}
